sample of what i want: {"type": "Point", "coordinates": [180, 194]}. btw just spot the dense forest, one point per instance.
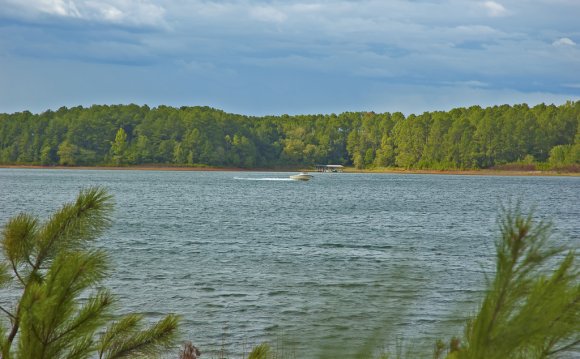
{"type": "Point", "coordinates": [543, 136]}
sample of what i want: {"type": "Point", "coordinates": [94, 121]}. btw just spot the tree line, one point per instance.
{"type": "Point", "coordinates": [462, 138]}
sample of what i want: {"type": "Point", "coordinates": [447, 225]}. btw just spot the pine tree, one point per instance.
{"type": "Point", "coordinates": [119, 147]}
{"type": "Point", "coordinates": [52, 264]}
{"type": "Point", "coordinates": [532, 306]}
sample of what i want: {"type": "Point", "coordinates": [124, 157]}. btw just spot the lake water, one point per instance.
{"type": "Point", "coordinates": [335, 262]}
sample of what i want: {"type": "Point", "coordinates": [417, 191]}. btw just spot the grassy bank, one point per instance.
{"type": "Point", "coordinates": [481, 172]}
{"type": "Point", "coordinates": [394, 170]}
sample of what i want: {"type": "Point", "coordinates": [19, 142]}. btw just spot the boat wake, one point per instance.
{"type": "Point", "coordinates": [263, 179]}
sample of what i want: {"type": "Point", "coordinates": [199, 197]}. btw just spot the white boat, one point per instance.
{"type": "Point", "coordinates": [302, 176]}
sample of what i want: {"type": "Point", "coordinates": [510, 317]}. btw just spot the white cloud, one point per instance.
{"type": "Point", "coordinates": [142, 12]}
{"type": "Point", "coordinates": [494, 8]}
{"type": "Point", "coordinates": [51, 7]}
{"type": "Point", "coordinates": [107, 11]}
{"type": "Point", "coordinates": [564, 41]}
{"type": "Point", "coordinates": [307, 8]}
{"type": "Point", "coordinates": [463, 44]}
{"type": "Point", "coordinates": [268, 14]}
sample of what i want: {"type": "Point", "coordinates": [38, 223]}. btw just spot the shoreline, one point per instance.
{"type": "Point", "coordinates": [482, 172]}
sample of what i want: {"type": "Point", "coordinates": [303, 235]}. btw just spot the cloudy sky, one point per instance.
{"type": "Point", "coordinates": [273, 57]}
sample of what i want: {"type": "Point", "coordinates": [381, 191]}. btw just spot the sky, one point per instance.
{"type": "Point", "coordinates": [260, 57]}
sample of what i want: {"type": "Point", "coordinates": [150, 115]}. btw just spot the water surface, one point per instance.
{"type": "Point", "coordinates": [246, 257]}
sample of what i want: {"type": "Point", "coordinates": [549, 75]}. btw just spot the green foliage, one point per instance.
{"type": "Point", "coordinates": [47, 155]}
{"type": "Point", "coordinates": [119, 147]}
{"type": "Point", "coordinates": [564, 155]}
{"type": "Point", "coordinates": [261, 351]}
{"type": "Point", "coordinates": [532, 306]}
{"type": "Point", "coordinates": [52, 322]}
{"type": "Point", "coordinates": [53, 265]}
{"type": "Point", "coordinates": [461, 138]}
{"type": "Point", "coordinates": [67, 154]}
{"type": "Point", "coordinates": [126, 338]}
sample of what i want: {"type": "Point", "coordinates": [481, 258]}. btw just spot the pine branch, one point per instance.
{"type": "Point", "coordinates": [80, 349]}
{"type": "Point", "coordinates": [148, 342]}
{"type": "Point", "coordinates": [12, 317]}
{"type": "Point", "coordinates": [118, 332]}
{"type": "Point", "coordinates": [15, 270]}
{"type": "Point", "coordinates": [75, 224]}
{"type": "Point", "coordinates": [48, 321]}
{"type": "Point", "coordinates": [18, 237]}
{"type": "Point", "coordinates": [5, 277]}
{"type": "Point", "coordinates": [525, 313]}
{"type": "Point", "coordinates": [10, 338]}
{"type": "Point", "coordinates": [89, 318]}
{"type": "Point", "coordinates": [86, 269]}
{"type": "Point", "coordinates": [260, 352]}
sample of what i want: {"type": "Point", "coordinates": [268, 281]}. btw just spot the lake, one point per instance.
{"type": "Point", "coordinates": [335, 262]}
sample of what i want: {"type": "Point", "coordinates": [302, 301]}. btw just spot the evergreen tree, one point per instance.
{"type": "Point", "coordinates": [471, 137]}
{"type": "Point", "coordinates": [52, 264]}
{"type": "Point", "coordinates": [67, 154]}
{"type": "Point", "coordinates": [532, 306]}
{"type": "Point", "coordinates": [119, 147]}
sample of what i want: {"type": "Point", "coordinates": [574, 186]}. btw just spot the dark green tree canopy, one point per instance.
{"type": "Point", "coordinates": [463, 138]}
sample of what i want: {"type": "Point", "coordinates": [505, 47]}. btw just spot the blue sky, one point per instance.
{"type": "Point", "coordinates": [273, 57]}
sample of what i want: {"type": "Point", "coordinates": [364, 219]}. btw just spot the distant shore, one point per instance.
{"type": "Point", "coordinates": [482, 172]}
